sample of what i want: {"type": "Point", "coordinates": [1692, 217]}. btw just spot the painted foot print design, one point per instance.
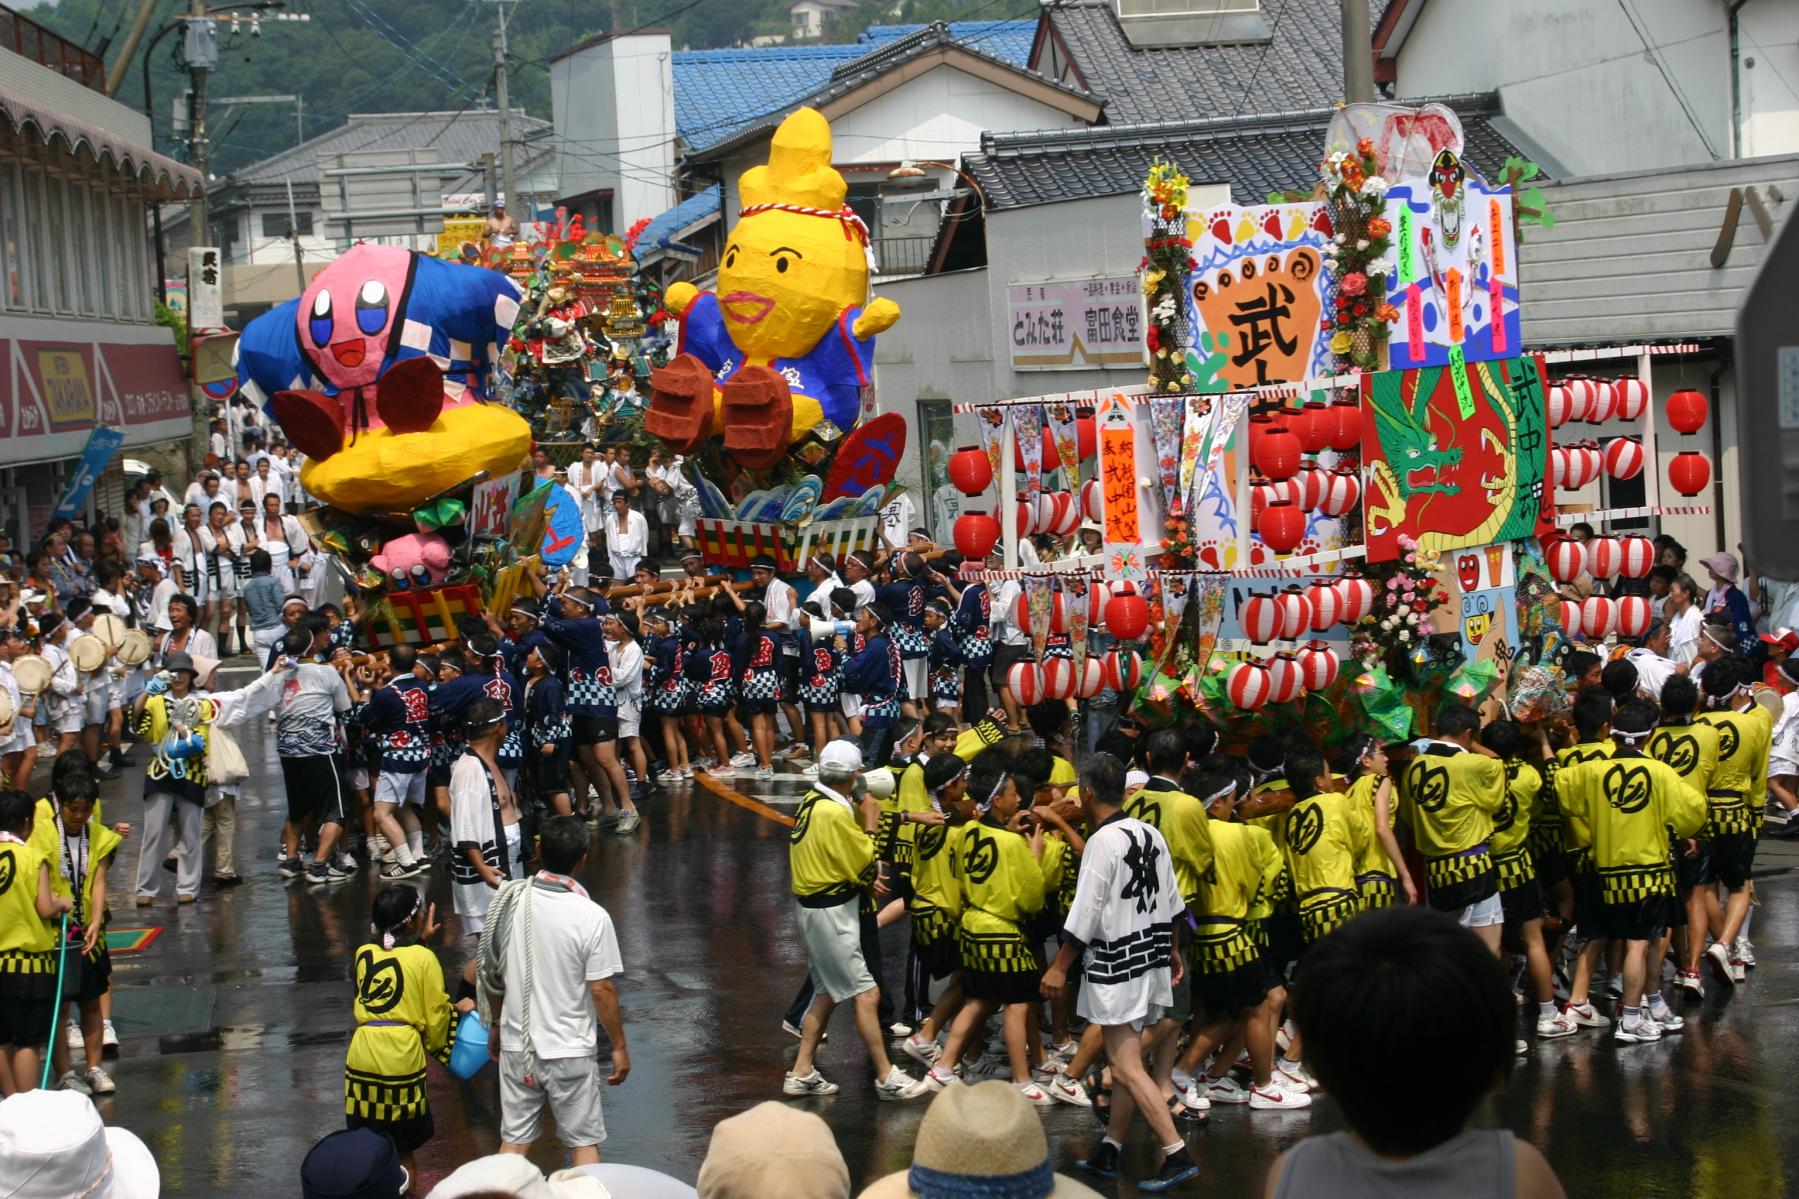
{"type": "Point", "coordinates": [1268, 304]}
{"type": "Point", "coordinates": [1216, 555]}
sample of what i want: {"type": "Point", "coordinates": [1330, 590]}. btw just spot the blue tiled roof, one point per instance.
{"type": "Point", "coordinates": [719, 92]}
{"type": "Point", "coordinates": [670, 223]}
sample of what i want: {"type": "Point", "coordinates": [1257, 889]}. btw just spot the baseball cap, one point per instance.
{"type": "Point", "coordinates": [773, 1150]}
{"type": "Point", "coordinates": [1786, 639]}
{"type": "Point", "coordinates": [356, 1163]}
{"type": "Point", "coordinates": [840, 755]}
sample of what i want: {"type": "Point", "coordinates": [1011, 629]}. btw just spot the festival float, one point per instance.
{"type": "Point", "coordinates": [1336, 500]}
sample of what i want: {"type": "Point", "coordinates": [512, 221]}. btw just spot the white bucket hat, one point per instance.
{"type": "Point", "coordinates": [53, 1145]}
{"type": "Point", "coordinates": [510, 1173]}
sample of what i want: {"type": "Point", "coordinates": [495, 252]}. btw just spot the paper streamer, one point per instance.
{"type": "Point", "coordinates": [1196, 419]}
{"type": "Point", "coordinates": [995, 423]}
{"type": "Point", "coordinates": [1165, 419]}
{"type": "Point", "coordinates": [1118, 483]}
{"type": "Point", "coordinates": [1064, 427]}
{"type": "Point", "coordinates": [1038, 599]}
{"type": "Point", "coordinates": [1029, 422]}
{"type": "Point", "coordinates": [1075, 593]}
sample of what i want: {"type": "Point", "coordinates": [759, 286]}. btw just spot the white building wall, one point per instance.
{"type": "Point", "coordinates": [1576, 78]}
{"type": "Point", "coordinates": [613, 108]}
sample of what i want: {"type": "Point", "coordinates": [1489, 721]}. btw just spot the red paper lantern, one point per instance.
{"type": "Point", "coordinates": [1690, 472]}
{"type": "Point", "coordinates": [1327, 605]}
{"type": "Point", "coordinates": [1346, 425]}
{"type": "Point", "coordinates": [1687, 411]}
{"type": "Point", "coordinates": [1306, 489]}
{"type": "Point", "coordinates": [1248, 685]}
{"type": "Point", "coordinates": [1358, 597]}
{"type": "Point", "coordinates": [1263, 494]}
{"type": "Point", "coordinates": [976, 534]}
{"type": "Point", "coordinates": [1634, 614]}
{"type": "Point", "coordinates": [1058, 612]}
{"type": "Point", "coordinates": [1261, 618]}
{"type": "Point", "coordinates": [1025, 679]}
{"type": "Point", "coordinates": [1296, 613]}
{"type": "Point", "coordinates": [1086, 437]}
{"type": "Point", "coordinates": [1604, 556]}
{"type": "Point", "coordinates": [1093, 678]}
{"type": "Point", "coordinates": [1318, 666]}
{"type": "Point", "coordinates": [1284, 681]}
{"type": "Point", "coordinates": [970, 470]}
{"type": "Point", "coordinates": [1276, 452]}
{"type": "Point", "coordinates": [1317, 426]}
{"type": "Point", "coordinates": [1570, 618]}
{"type": "Point", "coordinates": [1282, 526]}
{"type": "Point", "coordinates": [1597, 616]}
{"type": "Point", "coordinates": [1123, 670]}
{"type": "Point", "coordinates": [1342, 491]}
{"type": "Point", "coordinates": [1623, 458]}
{"type": "Point", "coordinates": [1127, 614]}
{"type": "Point", "coordinates": [1092, 500]}
{"type": "Point", "coordinates": [1058, 678]}
{"type": "Point", "coordinates": [1567, 560]}
{"type": "Point", "coordinates": [1633, 397]}
{"type": "Point", "coordinates": [1558, 405]}
{"type": "Point", "coordinates": [1605, 402]}
{"type": "Point", "coordinates": [1636, 557]}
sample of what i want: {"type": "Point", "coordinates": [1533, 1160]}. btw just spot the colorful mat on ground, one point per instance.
{"type": "Point", "coordinates": [131, 940]}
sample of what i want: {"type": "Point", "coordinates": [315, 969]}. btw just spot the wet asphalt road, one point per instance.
{"type": "Point", "coordinates": [235, 1021]}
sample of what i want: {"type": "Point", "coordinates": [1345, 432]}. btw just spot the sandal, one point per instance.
{"type": "Point", "coordinates": [1099, 1094]}
{"type": "Point", "coordinates": [1182, 1114]}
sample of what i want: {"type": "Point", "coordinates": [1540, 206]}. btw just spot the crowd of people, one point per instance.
{"type": "Point", "coordinates": [1132, 936]}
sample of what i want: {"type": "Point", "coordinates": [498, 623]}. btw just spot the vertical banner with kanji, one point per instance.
{"type": "Point", "coordinates": [1118, 483]}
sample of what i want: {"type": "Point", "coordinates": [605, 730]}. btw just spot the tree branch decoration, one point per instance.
{"type": "Point", "coordinates": [1167, 262]}
{"type": "Point", "coordinates": [1356, 257]}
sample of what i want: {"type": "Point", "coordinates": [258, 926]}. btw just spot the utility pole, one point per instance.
{"type": "Point", "coordinates": [1358, 53]}
{"type": "Point", "coordinates": [201, 50]}
{"type": "Point", "coordinates": [293, 233]}
{"type": "Point", "coordinates": [499, 67]}
{"type": "Point", "coordinates": [145, 10]}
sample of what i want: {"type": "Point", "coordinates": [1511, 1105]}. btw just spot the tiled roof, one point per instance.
{"type": "Point", "coordinates": [720, 92]}
{"type": "Point", "coordinates": [884, 56]}
{"type": "Point", "coordinates": [1299, 67]}
{"type": "Point", "coordinates": [1256, 155]}
{"type": "Point", "coordinates": [457, 137]}
{"type": "Point", "coordinates": [682, 216]}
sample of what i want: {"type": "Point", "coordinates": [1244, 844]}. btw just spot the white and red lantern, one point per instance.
{"type": "Point", "coordinates": [1558, 466]}
{"type": "Point", "coordinates": [1598, 615]}
{"type": "Point", "coordinates": [1263, 494]}
{"type": "Point", "coordinates": [1633, 397]}
{"type": "Point", "coordinates": [1027, 517]}
{"type": "Point", "coordinates": [1636, 557]}
{"type": "Point", "coordinates": [1559, 403]}
{"type": "Point", "coordinates": [1567, 560]}
{"type": "Point", "coordinates": [1261, 617]}
{"type": "Point", "coordinates": [1605, 402]}
{"type": "Point", "coordinates": [1058, 678]}
{"type": "Point", "coordinates": [1604, 557]}
{"type": "Point", "coordinates": [1066, 516]}
{"type": "Point", "coordinates": [1327, 605]}
{"type": "Point", "coordinates": [1092, 498]}
{"type": "Point", "coordinates": [1318, 666]}
{"type": "Point", "coordinates": [1248, 685]}
{"type": "Point", "coordinates": [1296, 614]}
{"type": "Point", "coordinates": [1284, 682]}
{"type": "Point", "coordinates": [1634, 614]}
{"type": "Point", "coordinates": [1307, 487]}
{"type": "Point", "coordinates": [1025, 680]}
{"type": "Point", "coordinates": [1623, 458]}
{"type": "Point", "coordinates": [1570, 618]}
{"type": "Point", "coordinates": [1092, 679]}
{"type": "Point", "coordinates": [1342, 491]}
{"type": "Point", "coordinates": [1358, 597]}
{"type": "Point", "coordinates": [1097, 596]}
{"type": "Point", "coordinates": [1581, 394]}
{"type": "Point", "coordinates": [1123, 670]}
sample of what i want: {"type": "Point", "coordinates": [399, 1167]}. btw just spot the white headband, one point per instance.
{"type": "Point", "coordinates": [387, 936]}
{"type": "Point", "coordinates": [992, 795]}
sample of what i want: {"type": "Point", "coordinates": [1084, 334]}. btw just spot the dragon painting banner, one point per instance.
{"type": "Point", "coordinates": [1457, 455]}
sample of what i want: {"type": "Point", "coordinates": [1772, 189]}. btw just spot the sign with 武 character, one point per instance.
{"type": "Point", "coordinates": [1260, 281]}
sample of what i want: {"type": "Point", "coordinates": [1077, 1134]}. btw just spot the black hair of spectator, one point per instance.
{"type": "Point", "coordinates": [562, 844]}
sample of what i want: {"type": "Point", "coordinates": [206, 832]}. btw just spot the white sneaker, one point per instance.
{"type": "Point", "coordinates": [100, 1082]}
{"type": "Point", "coordinates": [1293, 1077]}
{"type": "Point", "coordinates": [108, 1038]}
{"type": "Point", "coordinates": [1035, 1095]}
{"type": "Point", "coordinates": [900, 1087]}
{"type": "Point", "coordinates": [1558, 1025]}
{"type": "Point", "coordinates": [1664, 1016]}
{"type": "Point", "coordinates": [898, 1030]}
{"type": "Point", "coordinates": [1048, 1068]}
{"type": "Point", "coordinates": [1193, 1099]}
{"type": "Point", "coordinates": [1585, 1015]}
{"type": "Point", "coordinates": [76, 1040]}
{"type": "Point", "coordinates": [1276, 1097]}
{"type": "Point", "coordinates": [1228, 1090]}
{"type": "Point", "coordinates": [1063, 1050]}
{"type": "Point", "coordinates": [1643, 1030]}
{"type": "Point", "coordinates": [1690, 982]}
{"type": "Point", "coordinates": [810, 772]}
{"type": "Point", "coordinates": [922, 1050]}
{"type": "Point", "coordinates": [764, 773]}
{"type": "Point", "coordinates": [74, 1082]}
{"type": "Point", "coordinates": [1738, 972]}
{"type": "Point", "coordinates": [1742, 951]}
{"type": "Point", "coordinates": [746, 758]}
{"type": "Point", "coordinates": [990, 1065]}
{"type": "Point", "coordinates": [1520, 1047]}
{"type": "Point", "coordinates": [1719, 956]}
{"type": "Point", "coordinates": [813, 1084]}
{"type": "Point", "coordinates": [939, 1078]}
{"type": "Point", "coordinates": [722, 772]}
{"type": "Point", "coordinates": [1614, 986]}
{"type": "Point", "coordinates": [1064, 1089]}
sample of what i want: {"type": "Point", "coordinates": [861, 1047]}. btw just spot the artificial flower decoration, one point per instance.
{"type": "Point", "coordinates": [1357, 255]}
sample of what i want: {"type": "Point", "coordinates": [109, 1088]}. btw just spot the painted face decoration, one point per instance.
{"type": "Point", "coordinates": [1446, 174]}
{"type": "Point", "coordinates": [349, 316]}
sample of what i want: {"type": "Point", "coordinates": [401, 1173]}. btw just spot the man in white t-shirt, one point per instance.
{"type": "Point", "coordinates": [548, 957]}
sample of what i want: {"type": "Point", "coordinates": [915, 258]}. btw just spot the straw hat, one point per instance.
{"type": "Point", "coordinates": [981, 1140]}
{"type": "Point", "coordinates": [773, 1150]}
